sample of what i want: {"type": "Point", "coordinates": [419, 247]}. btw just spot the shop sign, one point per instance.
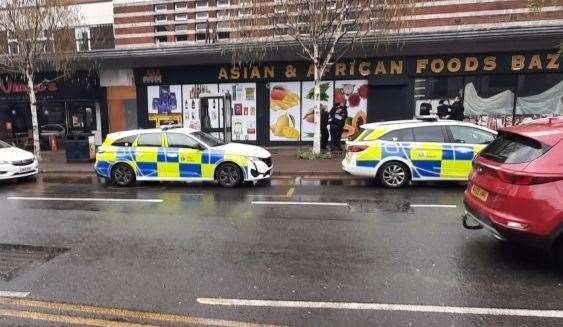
{"type": "Point", "coordinates": [152, 76]}
{"type": "Point", "coordinates": [11, 87]}
{"type": "Point", "coordinates": [533, 62]}
{"type": "Point", "coordinates": [352, 68]}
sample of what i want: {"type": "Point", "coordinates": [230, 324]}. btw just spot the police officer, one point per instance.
{"type": "Point", "coordinates": [443, 110]}
{"type": "Point", "coordinates": [337, 119]}
{"type": "Point", "coordinates": [324, 127]}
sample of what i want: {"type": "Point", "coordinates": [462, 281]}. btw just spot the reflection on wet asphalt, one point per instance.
{"type": "Point", "coordinates": [205, 241]}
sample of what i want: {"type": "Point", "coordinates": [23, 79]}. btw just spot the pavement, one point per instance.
{"type": "Point", "coordinates": [287, 252]}
{"type": "Point", "coordinates": [286, 163]}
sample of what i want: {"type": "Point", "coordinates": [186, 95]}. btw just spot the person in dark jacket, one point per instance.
{"type": "Point", "coordinates": [425, 108]}
{"type": "Point", "coordinates": [443, 110]}
{"type": "Point", "coordinates": [457, 110]}
{"type": "Point", "coordinates": [337, 119]}
{"type": "Point", "coordinates": [324, 127]}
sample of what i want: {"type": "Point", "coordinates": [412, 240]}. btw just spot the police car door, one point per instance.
{"type": "Point", "coordinates": [465, 143]}
{"type": "Point", "coordinates": [184, 156]}
{"type": "Point", "coordinates": [426, 151]}
{"type": "Point", "coordinates": [147, 149]}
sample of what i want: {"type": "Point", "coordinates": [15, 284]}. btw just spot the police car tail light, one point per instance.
{"type": "Point", "coordinates": [356, 148]}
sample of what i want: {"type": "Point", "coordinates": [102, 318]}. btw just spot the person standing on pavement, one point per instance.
{"type": "Point", "coordinates": [457, 110]}
{"type": "Point", "coordinates": [324, 127]}
{"type": "Point", "coordinates": [337, 119]}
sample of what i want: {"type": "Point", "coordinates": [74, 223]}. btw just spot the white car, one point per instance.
{"type": "Point", "coordinates": [179, 154]}
{"type": "Point", "coordinates": [16, 163]}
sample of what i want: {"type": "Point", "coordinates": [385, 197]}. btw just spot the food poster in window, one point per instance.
{"type": "Point", "coordinates": [191, 108]}
{"type": "Point", "coordinates": [285, 111]}
{"type": "Point", "coordinates": [243, 101]}
{"type": "Point", "coordinates": [354, 94]}
{"type": "Point", "coordinates": [165, 104]}
{"type": "Point", "coordinates": [440, 97]}
{"type": "Point", "coordinates": [308, 105]}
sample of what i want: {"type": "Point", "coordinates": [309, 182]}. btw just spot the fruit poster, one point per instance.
{"type": "Point", "coordinates": [165, 104]}
{"type": "Point", "coordinates": [243, 101]}
{"type": "Point", "coordinates": [354, 93]}
{"type": "Point", "coordinates": [308, 105]}
{"type": "Point", "coordinates": [191, 93]}
{"type": "Point", "coordinates": [285, 111]}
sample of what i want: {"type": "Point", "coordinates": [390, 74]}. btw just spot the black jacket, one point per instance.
{"type": "Point", "coordinates": [338, 116]}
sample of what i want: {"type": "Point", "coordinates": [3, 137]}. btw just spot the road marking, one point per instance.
{"type": "Point", "coordinates": [433, 206]}
{"type": "Point", "coordinates": [13, 294]}
{"type": "Point", "coordinates": [290, 192]}
{"type": "Point", "coordinates": [31, 315]}
{"type": "Point", "coordinates": [24, 198]}
{"type": "Point", "coordinates": [125, 313]}
{"type": "Point", "coordinates": [335, 204]}
{"type": "Point", "coordinates": [385, 307]}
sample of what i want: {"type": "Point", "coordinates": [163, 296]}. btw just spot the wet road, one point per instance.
{"type": "Point", "coordinates": [179, 249]}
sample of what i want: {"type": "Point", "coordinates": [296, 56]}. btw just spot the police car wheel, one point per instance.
{"type": "Point", "coordinates": [394, 174]}
{"type": "Point", "coordinates": [122, 175]}
{"type": "Point", "coordinates": [228, 175]}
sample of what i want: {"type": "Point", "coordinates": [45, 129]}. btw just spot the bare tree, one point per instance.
{"type": "Point", "coordinates": [40, 37]}
{"type": "Point", "coordinates": [320, 31]}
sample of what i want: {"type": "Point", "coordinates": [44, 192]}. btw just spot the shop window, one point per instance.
{"type": "Point", "coordinates": [82, 36]}
{"type": "Point", "coordinates": [431, 92]}
{"type": "Point", "coordinates": [539, 95]}
{"type": "Point", "coordinates": [489, 100]}
{"type": "Point", "coordinates": [181, 38]}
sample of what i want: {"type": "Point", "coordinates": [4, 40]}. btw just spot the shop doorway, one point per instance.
{"type": "Point", "coordinates": [216, 116]}
{"type": "Point", "coordinates": [389, 102]}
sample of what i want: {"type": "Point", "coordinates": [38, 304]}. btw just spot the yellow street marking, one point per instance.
{"type": "Point", "coordinates": [290, 192]}
{"type": "Point", "coordinates": [30, 315]}
{"type": "Point", "coordinates": [132, 314]}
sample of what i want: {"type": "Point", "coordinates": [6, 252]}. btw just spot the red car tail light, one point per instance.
{"type": "Point", "coordinates": [356, 148]}
{"type": "Point", "coordinates": [520, 179]}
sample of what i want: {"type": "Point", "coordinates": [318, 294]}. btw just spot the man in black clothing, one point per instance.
{"type": "Point", "coordinates": [425, 108]}
{"type": "Point", "coordinates": [337, 116]}
{"type": "Point", "coordinates": [324, 127]}
{"type": "Point", "coordinates": [443, 110]}
{"type": "Point", "coordinates": [457, 110]}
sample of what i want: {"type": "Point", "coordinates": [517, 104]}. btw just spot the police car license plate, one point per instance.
{"type": "Point", "coordinates": [479, 193]}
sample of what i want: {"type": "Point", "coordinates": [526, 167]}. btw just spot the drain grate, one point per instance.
{"type": "Point", "coordinates": [15, 258]}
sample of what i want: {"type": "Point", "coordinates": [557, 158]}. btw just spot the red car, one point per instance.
{"type": "Point", "coordinates": [515, 188]}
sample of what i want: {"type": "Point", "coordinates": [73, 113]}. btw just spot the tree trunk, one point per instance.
{"type": "Point", "coordinates": [317, 110]}
{"type": "Point", "coordinates": [33, 108]}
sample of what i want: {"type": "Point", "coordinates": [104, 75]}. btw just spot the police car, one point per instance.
{"type": "Point", "coordinates": [179, 154]}
{"type": "Point", "coordinates": [428, 149]}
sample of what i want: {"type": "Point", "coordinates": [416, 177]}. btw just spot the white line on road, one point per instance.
{"type": "Point", "coordinates": [13, 294]}
{"type": "Point", "coordinates": [24, 198]}
{"type": "Point", "coordinates": [334, 204]}
{"type": "Point", "coordinates": [384, 307]}
{"type": "Point", "coordinates": [433, 206]}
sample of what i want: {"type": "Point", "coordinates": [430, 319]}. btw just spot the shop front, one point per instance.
{"type": "Point", "coordinates": [272, 103]}
{"type": "Point", "coordinates": [63, 107]}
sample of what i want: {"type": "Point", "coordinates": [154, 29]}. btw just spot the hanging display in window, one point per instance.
{"type": "Point", "coordinates": [243, 101]}
{"type": "Point", "coordinates": [164, 104]}
{"type": "Point", "coordinates": [191, 107]}
{"type": "Point", "coordinates": [285, 111]}
{"type": "Point", "coordinates": [354, 94]}
{"type": "Point", "coordinates": [308, 101]}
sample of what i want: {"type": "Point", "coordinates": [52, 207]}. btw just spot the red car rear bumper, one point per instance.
{"type": "Point", "coordinates": [497, 224]}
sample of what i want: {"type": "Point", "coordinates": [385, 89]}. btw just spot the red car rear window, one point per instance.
{"type": "Point", "coordinates": [514, 149]}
